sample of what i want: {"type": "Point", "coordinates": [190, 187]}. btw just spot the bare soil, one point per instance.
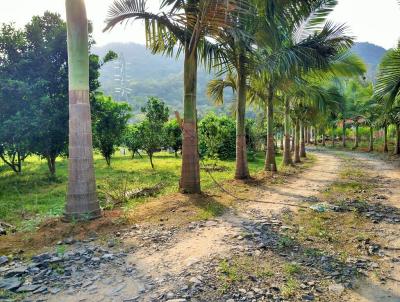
{"type": "Point", "coordinates": [172, 251]}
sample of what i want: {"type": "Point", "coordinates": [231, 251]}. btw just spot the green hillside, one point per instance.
{"type": "Point", "coordinates": [371, 54]}
{"type": "Point", "coordinates": [154, 75]}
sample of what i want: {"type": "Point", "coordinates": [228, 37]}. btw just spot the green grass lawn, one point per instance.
{"type": "Point", "coordinates": [27, 199]}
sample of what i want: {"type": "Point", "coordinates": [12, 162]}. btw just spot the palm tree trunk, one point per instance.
{"type": "Point", "coordinates": [242, 169]}
{"type": "Point", "coordinates": [323, 138]}
{"type": "Point", "coordinates": [333, 137]}
{"type": "Point", "coordinates": [302, 142]}
{"type": "Point", "coordinates": [293, 140]}
{"type": "Point", "coordinates": [270, 163]}
{"type": "Point", "coordinates": [306, 138]}
{"type": "Point", "coordinates": [287, 157]}
{"type": "Point", "coordinates": [397, 149]}
{"type": "Point", "coordinates": [356, 143]}
{"type": "Point", "coordinates": [315, 136]}
{"type": "Point", "coordinates": [371, 139]}
{"type": "Point", "coordinates": [190, 173]}
{"type": "Point", "coordinates": [385, 144]}
{"type": "Point", "coordinates": [344, 134]}
{"type": "Point", "coordinates": [82, 202]}
{"type": "Point", "coordinates": [297, 143]}
{"type": "Point", "coordinates": [51, 163]}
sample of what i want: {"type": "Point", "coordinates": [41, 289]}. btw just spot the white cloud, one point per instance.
{"type": "Point", "coordinates": [370, 20]}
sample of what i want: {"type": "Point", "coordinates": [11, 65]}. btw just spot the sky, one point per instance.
{"type": "Point", "coordinates": [374, 21]}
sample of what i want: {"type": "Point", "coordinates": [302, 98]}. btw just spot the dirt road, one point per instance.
{"type": "Point", "coordinates": [169, 268]}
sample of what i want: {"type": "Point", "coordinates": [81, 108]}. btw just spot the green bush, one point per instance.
{"type": "Point", "coordinates": [217, 136]}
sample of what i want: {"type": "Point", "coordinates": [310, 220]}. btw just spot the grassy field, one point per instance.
{"type": "Point", "coordinates": [27, 199]}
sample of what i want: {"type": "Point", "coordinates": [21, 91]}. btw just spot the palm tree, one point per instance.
{"type": "Point", "coordinates": [387, 87]}
{"type": "Point", "coordinates": [182, 26]}
{"type": "Point", "coordinates": [82, 202]}
{"type": "Point", "coordinates": [293, 53]}
{"type": "Point", "coordinates": [387, 90]}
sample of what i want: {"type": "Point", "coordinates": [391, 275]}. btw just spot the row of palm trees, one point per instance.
{"type": "Point", "coordinates": [270, 51]}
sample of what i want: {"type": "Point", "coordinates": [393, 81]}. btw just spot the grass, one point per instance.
{"type": "Point", "coordinates": [240, 269]}
{"type": "Point", "coordinates": [27, 199]}
{"type": "Point", "coordinates": [329, 231]}
{"type": "Point", "coordinates": [290, 288]}
{"type": "Point", "coordinates": [291, 268]}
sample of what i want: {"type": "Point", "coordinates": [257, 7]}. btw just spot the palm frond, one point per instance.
{"type": "Point", "coordinates": [388, 80]}
{"type": "Point", "coordinates": [216, 87]}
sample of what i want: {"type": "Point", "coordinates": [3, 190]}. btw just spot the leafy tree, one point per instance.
{"type": "Point", "coordinates": [15, 139]}
{"type": "Point", "coordinates": [110, 120]}
{"type": "Point", "coordinates": [15, 94]}
{"type": "Point", "coordinates": [35, 73]}
{"type": "Point", "coordinates": [152, 128]}
{"type": "Point", "coordinates": [173, 136]}
{"type": "Point", "coordinates": [47, 64]}
{"type": "Point", "coordinates": [217, 136]}
{"type": "Point", "coordinates": [132, 139]}
{"type": "Point", "coordinates": [151, 139]}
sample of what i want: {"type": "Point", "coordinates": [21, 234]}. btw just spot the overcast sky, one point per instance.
{"type": "Point", "coordinates": [373, 21]}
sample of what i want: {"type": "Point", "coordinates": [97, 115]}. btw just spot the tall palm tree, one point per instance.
{"type": "Point", "coordinates": [294, 53]}
{"type": "Point", "coordinates": [182, 25]}
{"type": "Point", "coordinates": [261, 27]}
{"type": "Point", "coordinates": [387, 87]}
{"type": "Point", "coordinates": [82, 202]}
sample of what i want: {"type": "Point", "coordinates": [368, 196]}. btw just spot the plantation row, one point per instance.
{"type": "Point", "coordinates": [282, 59]}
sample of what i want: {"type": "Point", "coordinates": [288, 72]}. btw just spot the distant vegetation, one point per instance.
{"type": "Point", "coordinates": [156, 75]}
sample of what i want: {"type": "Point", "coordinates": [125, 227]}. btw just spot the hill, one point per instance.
{"type": "Point", "coordinates": [138, 74]}
{"type": "Point", "coordinates": [371, 54]}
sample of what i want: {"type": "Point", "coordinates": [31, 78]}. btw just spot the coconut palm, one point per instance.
{"type": "Point", "coordinates": [82, 202]}
{"type": "Point", "coordinates": [294, 54]}
{"type": "Point", "coordinates": [182, 25]}
{"type": "Point", "coordinates": [266, 26]}
{"type": "Point", "coordinates": [387, 87]}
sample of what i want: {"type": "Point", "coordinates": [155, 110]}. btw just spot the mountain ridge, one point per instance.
{"type": "Point", "coordinates": [138, 74]}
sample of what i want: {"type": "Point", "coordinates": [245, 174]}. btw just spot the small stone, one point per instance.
{"type": "Point", "coordinates": [170, 295]}
{"type": "Point", "coordinates": [108, 257]}
{"type": "Point", "coordinates": [10, 283]}
{"type": "Point", "coordinates": [54, 290]}
{"type": "Point", "coordinates": [19, 271]}
{"type": "Point", "coordinates": [95, 259]}
{"type": "Point", "coordinates": [117, 289]}
{"type": "Point", "coordinates": [69, 240]}
{"type": "Point", "coordinates": [40, 258]}
{"type": "Point", "coordinates": [211, 223]}
{"type": "Point", "coordinates": [40, 290]}
{"type": "Point", "coordinates": [27, 288]}
{"type": "Point", "coordinates": [3, 260]}
{"type": "Point", "coordinates": [309, 297]}
{"type": "Point", "coordinates": [257, 290]}
{"type": "Point", "coordinates": [111, 243]}
{"type": "Point", "coordinates": [336, 288]}
{"type": "Point", "coordinates": [134, 299]}
{"type": "Point", "coordinates": [195, 280]}
{"type": "Point", "coordinates": [2, 231]}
